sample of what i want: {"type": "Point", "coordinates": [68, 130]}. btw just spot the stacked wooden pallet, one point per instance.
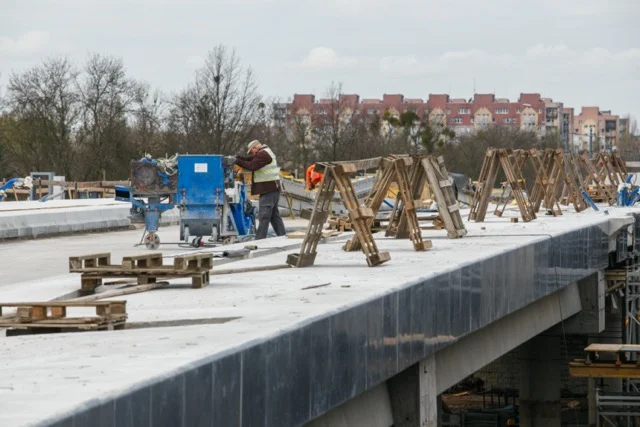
{"type": "Point", "coordinates": [145, 268]}
{"type": "Point", "coordinates": [52, 315]}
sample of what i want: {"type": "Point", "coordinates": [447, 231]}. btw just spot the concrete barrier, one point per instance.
{"type": "Point", "coordinates": [38, 219]}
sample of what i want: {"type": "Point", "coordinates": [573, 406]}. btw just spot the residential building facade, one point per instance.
{"type": "Point", "coordinates": [530, 112]}
{"type": "Point", "coordinates": [595, 129]}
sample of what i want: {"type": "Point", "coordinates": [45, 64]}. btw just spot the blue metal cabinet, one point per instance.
{"type": "Point", "coordinates": [200, 195]}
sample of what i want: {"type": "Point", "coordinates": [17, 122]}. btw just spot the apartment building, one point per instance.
{"type": "Point", "coordinates": [530, 112]}
{"type": "Point", "coordinates": [595, 129]}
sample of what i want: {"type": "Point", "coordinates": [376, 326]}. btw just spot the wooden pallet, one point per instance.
{"type": "Point", "coordinates": [336, 175]}
{"type": "Point", "coordinates": [394, 170]}
{"type": "Point", "coordinates": [511, 165]}
{"type": "Point", "coordinates": [441, 186]}
{"type": "Point", "coordinates": [596, 182]}
{"type": "Point", "coordinates": [573, 182]}
{"type": "Point", "coordinates": [53, 314]}
{"type": "Point", "coordinates": [145, 268]}
{"type": "Point", "coordinates": [319, 215]}
{"type": "Point", "coordinates": [397, 225]}
{"type": "Point", "coordinates": [546, 177]}
{"type": "Point", "coordinates": [408, 222]}
{"type": "Point", "coordinates": [541, 162]}
{"type": "Point", "coordinates": [612, 166]}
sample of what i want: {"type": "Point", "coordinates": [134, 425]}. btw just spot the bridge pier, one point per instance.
{"type": "Point", "coordinates": [540, 382]}
{"type": "Point", "coordinates": [428, 392]}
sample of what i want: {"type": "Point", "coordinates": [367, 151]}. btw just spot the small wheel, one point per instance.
{"type": "Point", "coordinates": [152, 241]}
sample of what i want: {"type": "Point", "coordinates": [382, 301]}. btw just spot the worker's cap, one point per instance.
{"type": "Point", "coordinates": [252, 144]}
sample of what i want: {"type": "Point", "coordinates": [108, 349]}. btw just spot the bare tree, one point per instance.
{"type": "Point", "coordinates": [146, 121]}
{"type": "Point", "coordinates": [299, 135]}
{"type": "Point", "coordinates": [333, 129]}
{"type": "Point", "coordinates": [45, 108]}
{"type": "Point", "coordinates": [218, 113]}
{"type": "Point", "coordinates": [107, 97]}
{"type": "Point", "coordinates": [466, 154]}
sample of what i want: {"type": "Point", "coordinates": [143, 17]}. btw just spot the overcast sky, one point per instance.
{"type": "Point", "coordinates": [581, 52]}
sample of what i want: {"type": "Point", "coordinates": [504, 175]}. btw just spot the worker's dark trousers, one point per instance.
{"type": "Point", "coordinates": [268, 214]}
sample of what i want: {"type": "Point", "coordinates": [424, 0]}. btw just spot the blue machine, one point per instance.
{"type": "Point", "coordinates": [203, 187]}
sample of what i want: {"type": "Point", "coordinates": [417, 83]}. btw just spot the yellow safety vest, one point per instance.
{"type": "Point", "coordinates": [270, 172]}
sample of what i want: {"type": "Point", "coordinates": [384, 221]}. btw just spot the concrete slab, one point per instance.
{"type": "Point", "coordinates": [33, 219]}
{"type": "Point", "coordinates": [66, 372]}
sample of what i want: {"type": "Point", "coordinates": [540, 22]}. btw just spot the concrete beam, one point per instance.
{"type": "Point", "coordinates": [453, 363]}
{"type": "Point", "coordinates": [371, 408]}
{"type": "Point", "coordinates": [591, 320]}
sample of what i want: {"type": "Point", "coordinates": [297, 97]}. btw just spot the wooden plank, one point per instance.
{"type": "Point", "coordinates": [364, 164]}
{"type": "Point", "coordinates": [604, 370]}
{"type": "Point", "coordinates": [608, 348]}
{"type": "Point", "coordinates": [120, 292]}
{"type": "Point", "coordinates": [115, 270]}
{"type": "Point", "coordinates": [70, 303]}
{"type": "Point", "coordinates": [215, 272]}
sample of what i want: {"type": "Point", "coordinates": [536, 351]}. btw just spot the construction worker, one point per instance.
{"type": "Point", "coordinates": [265, 182]}
{"type": "Point", "coordinates": [313, 177]}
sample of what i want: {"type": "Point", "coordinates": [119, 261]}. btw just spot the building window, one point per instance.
{"type": "Point", "coordinates": [372, 111]}
{"type": "Point", "coordinates": [322, 111]}
{"type": "Point", "coordinates": [517, 111]}
{"type": "Point", "coordinates": [507, 120]}
{"type": "Point", "coordinates": [579, 122]}
{"type": "Point", "coordinates": [456, 121]}
{"type": "Point", "coordinates": [464, 111]}
{"type": "Point", "coordinates": [471, 120]}
{"type": "Point", "coordinates": [539, 110]}
{"type": "Point", "coordinates": [502, 111]}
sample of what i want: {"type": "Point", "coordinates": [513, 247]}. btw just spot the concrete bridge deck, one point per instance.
{"type": "Point", "coordinates": [269, 352]}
